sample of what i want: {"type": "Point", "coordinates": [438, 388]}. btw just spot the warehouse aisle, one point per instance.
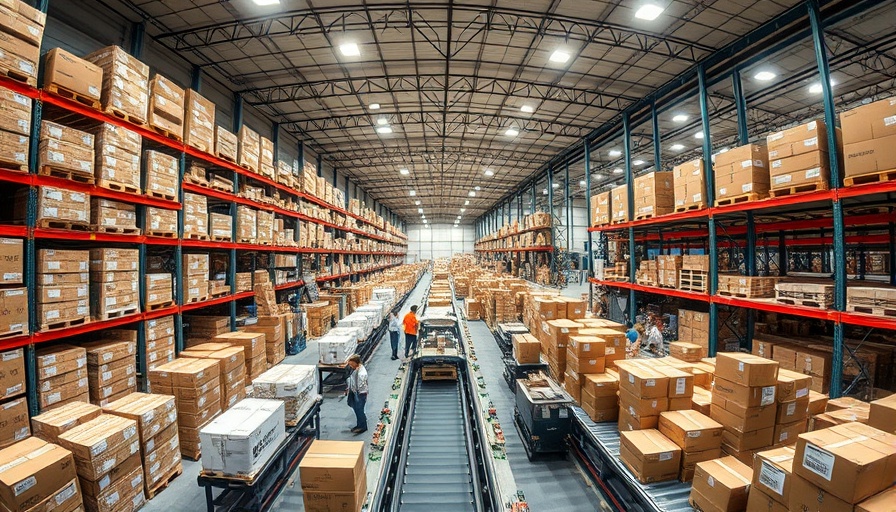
{"type": "Point", "coordinates": [184, 495]}
{"type": "Point", "coordinates": [552, 484]}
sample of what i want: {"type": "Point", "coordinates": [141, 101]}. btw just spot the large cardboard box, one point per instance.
{"type": "Point", "coordinates": [721, 485]}
{"type": "Point", "coordinates": [805, 495]}
{"type": "Point", "coordinates": [882, 414]}
{"type": "Point", "coordinates": [773, 472]}
{"type": "Point", "coordinates": [869, 156]}
{"type": "Point", "coordinates": [14, 425]}
{"type": "Point", "coordinates": [792, 386]}
{"type": "Point", "coordinates": [650, 455]}
{"type": "Point", "coordinates": [642, 381]}
{"type": "Point", "coordinates": [11, 261]}
{"type": "Point", "coordinates": [851, 461]}
{"type": "Point", "coordinates": [805, 138]}
{"type": "Point", "coordinates": [654, 194]}
{"type": "Point", "coordinates": [243, 439]}
{"type": "Point", "coordinates": [882, 502]}
{"type": "Point", "coordinates": [50, 425]}
{"type": "Point", "coordinates": [332, 466]}
{"type": "Point", "coordinates": [153, 413]}
{"type": "Point", "coordinates": [73, 74]}
{"type": "Point", "coordinates": [869, 122]}
{"type": "Point", "coordinates": [689, 184]}
{"type": "Point", "coordinates": [746, 396]}
{"type": "Point", "coordinates": [14, 310]}
{"type": "Point", "coordinates": [691, 430]}
{"type": "Point", "coordinates": [31, 471]}
{"type": "Point", "coordinates": [526, 349]}
{"type": "Point", "coordinates": [746, 369]}
{"type": "Point", "coordinates": [100, 444]}
{"type": "Point", "coordinates": [619, 204]}
{"type": "Point", "coordinates": [12, 373]}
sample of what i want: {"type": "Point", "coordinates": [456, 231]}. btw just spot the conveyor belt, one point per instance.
{"type": "Point", "coordinates": [437, 474]}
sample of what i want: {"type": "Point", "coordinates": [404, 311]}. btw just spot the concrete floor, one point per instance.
{"type": "Point", "coordinates": [554, 485]}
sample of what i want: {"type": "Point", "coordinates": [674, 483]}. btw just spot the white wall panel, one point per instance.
{"type": "Point", "coordinates": [438, 241]}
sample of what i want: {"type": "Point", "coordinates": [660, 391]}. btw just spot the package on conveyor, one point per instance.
{"type": "Point", "coordinates": [249, 148]}
{"type": "Point", "coordinates": [333, 476]}
{"type": "Point", "coordinates": [114, 282]}
{"type": "Point", "coordinates": [742, 171]}
{"type": "Point", "coordinates": [232, 368]}
{"type": "Point", "coordinates": [125, 83]}
{"type": "Point", "coordinates": [199, 122]}
{"type": "Point", "coordinates": [584, 355]}
{"type": "Point", "coordinates": [600, 398]}
{"type": "Point", "coordinates": [22, 30]}
{"type": "Point", "coordinates": [111, 369]}
{"type": "Point", "coordinates": [296, 385]}
{"type": "Point", "coordinates": [196, 272]}
{"type": "Point", "coordinates": [160, 341]}
{"type": "Point", "coordinates": [275, 342]}
{"type": "Point", "coordinates": [166, 106]}
{"type": "Point", "coordinates": [643, 395]}
{"type": "Point", "coordinates": [161, 175]}
{"type": "Point", "coordinates": [799, 156]}
{"type": "Point", "coordinates": [526, 348]}
{"type": "Point", "coordinates": [106, 450]}
{"type": "Point", "coordinates": [117, 163]}
{"type": "Point", "coordinates": [614, 342]}
{"type": "Point", "coordinates": [226, 143]}
{"type": "Point", "coordinates": [196, 386]}
{"type": "Point", "coordinates": [242, 440]}
{"type": "Point", "coordinates": [72, 76]}
{"type": "Point", "coordinates": [61, 376]}
{"type": "Point", "coordinates": [51, 424]}
{"type": "Point", "coordinates": [36, 475]}
{"type": "Point", "coordinates": [649, 455]}
{"type": "Point", "coordinates": [195, 216]}
{"type": "Point", "coordinates": [554, 336]}
{"type": "Point", "coordinates": [721, 485]}
{"type": "Point", "coordinates": [156, 417]}
{"type": "Point", "coordinates": [772, 477]}
{"type": "Point", "coordinates": [698, 436]}
{"type": "Point", "coordinates": [254, 351]}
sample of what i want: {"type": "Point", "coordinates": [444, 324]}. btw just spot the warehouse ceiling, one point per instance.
{"type": "Point", "coordinates": [473, 93]}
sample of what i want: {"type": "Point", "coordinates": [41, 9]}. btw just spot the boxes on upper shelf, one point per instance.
{"type": "Point", "coordinates": [868, 139]}
{"type": "Point", "coordinates": [125, 83]}
{"type": "Point", "coordinates": [117, 165]}
{"type": "Point", "coordinates": [249, 149]}
{"type": "Point", "coordinates": [689, 186]}
{"type": "Point", "coordinates": [114, 282]}
{"type": "Point", "coordinates": [742, 174]}
{"type": "Point", "coordinates": [161, 175]}
{"type": "Point", "coordinates": [72, 76]}
{"type": "Point", "coordinates": [199, 122]}
{"type": "Point", "coordinates": [113, 216]}
{"type": "Point", "coordinates": [226, 143]}
{"type": "Point", "coordinates": [798, 156]}
{"type": "Point", "coordinates": [619, 204]}
{"type": "Point", "coordinates": [195, 216]}
{"type": "Point", "coordinates": [166, 107]}
{"type": "Point", "coordinates": [600, 209]}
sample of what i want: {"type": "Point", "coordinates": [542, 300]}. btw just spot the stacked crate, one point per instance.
{"type": "Point", "coordinates": [23, 29]}
{"type": "Point", "coordinates": [689, 186]}
{"type": "Point", "coordinates": [584, 356]}
{"type": "Point", "coordinates": [51, 424]}
{"type": "Point", "coordinates": [114, 283]}
{"type": "Point", "coordinates": [294, 384]}
{"type": "Point", "coordinates": [161, 175]}
{"type": "Point", "coordinates": [221, 227]}
{"type": "Point", "coordinates": [668, 270]}
{"type": "Point", "coordinates": [741, 174]}
{"type": "Point", "coordinates": [646, 274]}
{"type": "Point", "coordinates": [13, 403]}
{"type": "Point", "coordinates": [36, 475]}
{"type": "Point", "coordinates": [15, 130]}
{"type": "Point", "coordinates": [72, 77]}
{"type": "Point", "coordinates": [694, 274]}
{"type": "Point", "coordinates": [113, 216]}
{"type": "Point", "coordinates": [243, 282]}
{"type": "Point", "coordinates": [619, 204]}
{"type": "Point", "coordinates": [196, 272]}
{"type": "Point", "coordinates": [231, 365]}
{"type": "Point", "coordinates": [798, 159]}
{"type": "Point", "coordinates": [246, 224]}
{"type": "Point", "coordinates": [868, 135]}
{"type": "Point", "coordinates": [107, 458]}
{"type": "Point", "coordinates": [284, 174]}
{"type": "Point", "coordinates": [275, 343]}
{"type": "Point", "coordinates": [872, 300]}
{"type": "Point", "coordinates": [156, 418]}
{"type": "Point", "coordinates": [117, 165]}
{"type": "Point", "coordinates": [195, 216]}
{"type": "Point", "coordinates": [63, 288]}
{"type": "Point", "coordinates": [264, 231]}
{"type": "Point", "coordinates": [161, 222]}
{"type": "Point", "coordinates": [600, 397]}
{"type": "Point", "coordinates": [61, 376]}
{"type": "Point", "coordinates": [196, 386]}
{"type": "Point", "coordinates": [166, 107]}
{"type": "Point", "coordinates": [112, 369]}
{"type": "Point", "coordinates": [643, 395]}
{"type": "Point", "coordinates": [266, 158]}
{"type": "Point", "coordinates": [125, 84]}
{"type": "Point", "coordinates": [600, 209]}
{"type": "Point", "coordinates": [254, 351]}
{"type": "Point", "coordinates": [249, 148]}
{"type": "Point", "coordinates": [199, 125]}
{"type": "Point", "coordinates": [750, 287]}
{"type": "Point", "coordinates": [160, 341]}
{"type": "Point", "coordinates": [204, 329]}
{"type": "Point", "coordinates": [792, 397]}
{"type": "Point", "coordinates": [319, 318]}
{"type": "Point", "coordinates": [654, 195]}
{"type": "Point", "coordinates": [56, 208]}
{"type": "Point", "coordinates": [159, 290]}
{"type": "Point", "coordinates": [698, 436]}
{"type": "Point", "coordinates": [226, 143]}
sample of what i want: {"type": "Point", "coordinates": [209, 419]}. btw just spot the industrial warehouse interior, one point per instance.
{"type": "Point", "coordinates": [448, 255]}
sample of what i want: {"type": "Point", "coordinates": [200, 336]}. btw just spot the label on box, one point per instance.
{"type": "Point", "coordinates": [791, 409]}
{"type": "Point", "coordinates": [66, 493]}
{"type": "Point", "coordinates": [680, 386]}
{"type": "Point", "coordinates": [99, 448]}
{"type": "Point", "coordinates": [783, 437]}
{"type": "Point", "coordinates": [694, 434]}
{"type": "Point", "coordinates": [768, 395]}
{"type": "Point", "coordinates": [9, 356]}
{"type": "Point", "coordinates": [698, 198]}
{"type": "Point", "coordinates": [24, 485]}
{"type": "Point", "coordinates": [813, 173]}
{"type": "Point", "coordinates": [772, 477]}
{"type": "Point", "coordinates": [723, 191]}
{"type": "Point", "coordinates": [782, 179]}
{"type": "Point", "coordinates": [112, 499]}
{"type": "Point", "coordinates": [631, 379]}
{"type": "Point", "coordinates": [748, 187]}
{"type": "Point", "coordinates": [13, 389]}
{"type": "Point", "coordinates": [800, 393]}
{"type": "Point", "coordinates": [811, 125]}
{"type": "Point", "coordinates": [650, 383]}
{"type": "Point", "coordinates": [818, 461]}
{"type": "Point", "coordinates": [665, 456]}
{"type": "Point", "coordinates": [108, 465]}
{"type": "Point", "coordinates": [610, 351]}
{"type": "Point", "coordinates": [811, 142]}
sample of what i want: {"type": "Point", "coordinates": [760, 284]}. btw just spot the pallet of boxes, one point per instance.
{"type": "Point", "coordinates": [231, 366]}
{"type": "Point", "coordinates": [293, 384]}
{"type": "Point", "coordinates": [61, 376]}
{"type": "Point", "coordinates": [13, 403]}
{"type": "Point", "coordinates": [240, 442]}
{"type": "Point", "coordinates": [799, 159]}
{"type": "Point", "coordinates": [112, 367]}
{"type": "Point", "coordinates": [13, 296]}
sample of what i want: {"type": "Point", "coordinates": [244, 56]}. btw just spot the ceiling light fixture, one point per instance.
{"type": "Point", "coordinates": [816, 88]}
{"type": "Point", "coordinates": [489, 172]}
{"type": "Point", "coordinates": [582, 183]}
{"type": "Point", "coordinates": [676, 147]}
{"type": "Point", "coordinates": [698, 135]}
{"type": "Point", "coordinates": [615, 152]}
{"type": "Point", "coordinates": [350, 50]}
{"type": "Point", "coordinates": [265, 3]}
{"type": "Point", "coordinates": [527, 109]}
{"type": "Point", "coordinates": [649, 12]}
{"type": "Point", "coordinates": [404, 172]}
{"type": "Point", "coordinates": [555, 185]}
{"type": "Point", "coordinates": [384, 130]}
{"type": "Point", "coordinates": [544, 192]}
{"type": "Point", "coordinates": [412, 193]}
{"type": "Point", "coordinates": [617, 170]}
{"type": "Point", "coordinates": [764, 76]}
{"type": "Point", "coordinates": [638, 162]}
{"type": "Point", "coordinates": [462, 210]}
{"type": "Point", "coordinates": [374, 106]}
{"type": "Point", "coordinates": [680, 118]}
{"type": "Point", "coordinates": [512, 132]}
{"type": "Point", "coordinates": [472, 194]}
{"type": "Point", "coordinates": [467, 202]}
{"type": "Point", "coordinates": [559, 56]}
{"type": "Point", "coordinates": [382, 121]}
{"type": "Point", "coordinates": [477, 188]}
{"type": "Point", "coordinates": [424, 221]}
{"type": "Point", "coordinates": [417, 203]}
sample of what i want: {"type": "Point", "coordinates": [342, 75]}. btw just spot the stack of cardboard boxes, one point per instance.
{"type": "Point", "coordinates": [107, 458]}
{"type": "Point", "coordinates": [792, 397]}
{"type": "Point", "coordinates": [160, 341]}
{"type": "Point", "coordinates": [15, 122]}
{"type": "Point", "coordinates": [113, 216]}
{"type": "Point", "coordinates": [249, 148]}
{"type": "Point", "coordinates": [868, 139]}
{"type": "Point", "coordinates": [294, 384]}
{"type": "Point", "coordinates": [51, 424]}
{"type": "Point", "coordinates": [266, 158]}
{"type": "Point", "coordinates": [161, 175]}
{"type": "Point", "coordinates": [226, 143]}
{"type": "Point", "coordinates": [647, 390]}
{"type": "Point", "coordinates": [246, 224]}
{"type": "Point", "coordinates": [619, 204]}
{"type": "Point", "coordinates": [63, 287]}
{"type": "Point", "coordinates": [13, 297]}
{"type": "Point", "coordinates": [196, 271]}
{"type": "Point", "coordinates": [56, 208]}
{"type": "Point", "coordinates": [156, 418]}
{"type": "Point", "coordinates": [36, 475]}
{"type": "Point", "coordinates": [689, 185]}
{"type": "Point", "coordinates": [13, 404]}
{"type": "Point", "coordinates": [166, 107]}
{"type": "Point", "coordinates": [275, 344]}
{"type": "Point", "coordinates": [114, 282]}
{"type": "Point", "coordinates": [333, 476]}
{"type": "Point", "coordinates": [195, 216]}
{"type": "Point", "coordinates": [741, 174]}
{"type": "Point", "coordinates": [654, 195]}
{"type": "Point", "coordinates": [203, 329]}
{"type": "Point", "coordinates": [600, 209]}
{"type": "Point", "coordinates": [61, 376]}
{"type": "Point", "coordinates": [23, 30]}
{"type": "Point", "coordinates": [698, 436]}
{"type": "Point", "coordinates": [117, 163]}
{"type": "Point", "coordinates": [125, 83]}
{"type": "Point", "coordinates": [798, 157]}
{"type": "Point", "coordinates": [264, 227]}
{"type": "Point", "coordinates": [584, 356]}
{"type": "Point", "coordinates": [231, 365]}
{"type": "Point", "coordinates": [196, 386]}
{"type": "Point", "coordinates": [199, 125]}
{"type": "Point", "coordinates": [159, 290]}
{"type": "Point", "coordinates": [254, 351]}
{"type": "Point", "coordinates": [221, 227]}
{"type": "Point", "coordinates": [600, 396]}
{"type": "Point", "coordinates": [112, 369]}
{"type": "Point", "coordinates": [66, 149]}
{"type": "Point", "coordinates": [668, 269]}
{"type": "Point", "coordinates": [161, 222]}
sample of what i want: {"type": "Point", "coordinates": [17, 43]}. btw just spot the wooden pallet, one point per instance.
{"type": "Point", "coordinates": [799, 189]}
{"type": "Point", "coordinates": [67, 174]}
{"type": "Point", "coordinates": [196, 299]}
{"type": "Point", "coordinates": [18, 76]}
{"type": "Point", "coordinates": [118, 186]}
{"type": "Point", "coordinates": [114, 229]}
{"type": "Point", "coordinates": [224, 157]}
{"type": "Point", "coordinates": [246, 241]}
{"type": "Point", "coordinates": [219, 293]}
{"type": "Point", "coordinates": [162, 483]}
{"type": "Point", "coordinates": [195, 236]}
{"type": "Point", "coordinates": [51, 326]}
{"type": "Point", "coordinates": [689, 207]}
{"type": "Point", "coordinates": [13, 333]}
{"type": "Point", "coordinates": [197, 144]}
{"type": "Point", "coordinates": [125, 116]}
{"type": "Point", "coordinates": [160, 305]}
{"type": "Point", "coordinates": [809, 303]}
{"type": "Point", "coordinates": [159, 195]}
{"type": "Point", "coordinates": [202, 182]}
{"type": "Point", "coordinates": [249, 168]}
{"type": "Point", "coordinates": [191, 456]}
{"type": "Point", "coordinates": [646, 216]}
{"type": "Point", "coordinates": [220, 238]}
{"type": "Point", "coordinates": [220, 186]}
{"type": "Point", "coordinates": [165, 133]}
{"type": "Point", "coordinates": [62, 224]}
{"type": "Point", "coordinates": [9, 165]}
{"type": "Point", "coordinates": [693, 280]}
{"type": "Point", "coordinates": [162, 234]}
{"type": "Point", "coordinates": [117, 313]}
{"type": "Point", "coordinates": [74, 96]}
{"type": "Point", "coordinates": [743, 198]}
{"type": "Point", "coordinates": [870, 310]}
{"type": "Point", "coordinates": [873, 177]}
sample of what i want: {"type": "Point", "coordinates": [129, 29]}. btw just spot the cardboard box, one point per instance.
{"type": "Point", "coordinates": [690, 430]}
{"type": "Point", "coordinates": [526, 349]}
{"type": "Point", "coordinates": [240, 441]}
{"type": "Point", "coordinates": [808, 137]}
{"type": "Point", "coordinates": [50, 425]}
{"type": "Point", "coordinates": [740, 419]}
{"type": "Point", "coordinates": [642, 381]}
{"type": "Point", "coordinates": [773, 472]}
{"type": "Point", "coordinates": [881, 415]}
{"type": "Point", "coordinates": [746, 369]}
{"type": "Point", "coordinates": [792, 411]}
{"type": "Point", "coordinates": [851, 461]}
{"type": "Point", "coordinates": [153, 413]}
{"type": "Point", "coordinates": [792, 386]}
{"type": "Point", "coordinates": [654, 194]}
{"type": "Point", "coordinates": [14, 310]}
{"type": "Point", "coordinates": [869, 122]}
{"type": "Point", "coordinates": [882, 502]}
{"type": "Point", "coordinates": [31, 471]}
{"type": "Point", "coordinates": [689, 462]}
{"type": "Point", "coordinates": [805, 495]}
{"type": "Point", "coordinates": [12, 373]}
{"type": "Point", "coordinates": [619, 204]}
{"type": "Point", "coordinates": [15, 425]}
{"type": "Point", "coordinates": [746, 396]}
{"type": "Point", "coordinates": [721, 485]}
{"type": "Point", "coordinates": [73, 74]}
{"type": "Point", "coordinates": [332, 466]}
{"type": "Point", "coordinates": [786, 434]}
{"type": "Point", "coordinates": [11, 261]}
{"type": "Point", "coordinates": [869, 156]}
{"type": "Point", "coordinates": [649, 455]}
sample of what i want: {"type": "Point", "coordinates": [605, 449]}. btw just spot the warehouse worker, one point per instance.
{"type": "Point", "coordinates": [394, 331]}
{"type": "Point", "coordinates": [411, 324]}
{"type": "Point", "coordinates": [357, 392]}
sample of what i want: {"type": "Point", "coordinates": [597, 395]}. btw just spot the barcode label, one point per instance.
{"type": "Point", "coordinates": [768, 395]}
{"type": "Point", "coordinates": [818, 461]}
{"type": "Point", "coordinates": [772, 477]}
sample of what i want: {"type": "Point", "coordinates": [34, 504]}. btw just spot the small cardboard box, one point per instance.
{"type": "Point", "coordinates": [794, 410]}
{"type": "Point", "coordinates": [11, 261]}
{"type": "Point", "coordinates": [746, 396]}
{"type": "Point", "coordinates": [240, 441]}
{"type": "Point", "coordinates": [31, 471]}
{"type": "Point", "coordinates": [14, 310]}
{"type": "Point", "coordinates": [805, 495]}
{"type": "Point", "coordinates": [746, 369]}
{"type": "Point", "coordinates": [721, 485]}
{"type": "Point", "coordinates": [650, 455]}
{"type": "Point", "coordinates": [773, 472]}
{"type": "Point", "coordinates": [332, 466]}
{"type": "Point", "coordinates": [691, 430]}
{"type": "Point", "coordinates": [12, 373]}
{"type": "Point", "coordinates": [73, 74]}
{"type": "Point", "coordinates": [526, 349]}
{"type": "Point", "coordinates": [792, 386]}
{"type": "Point", "coordinates": [15, 426]}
